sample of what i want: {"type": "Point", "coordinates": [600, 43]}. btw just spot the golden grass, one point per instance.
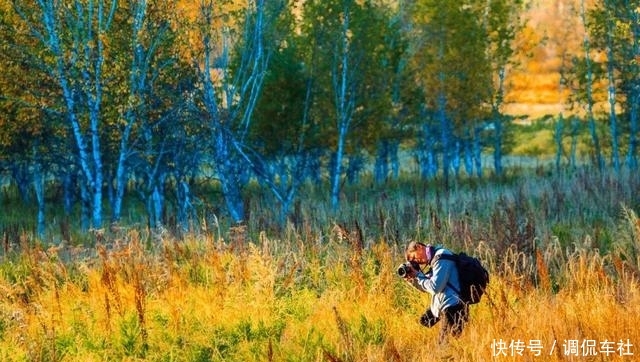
{"type": "Point", "coordinates": [274, 300]}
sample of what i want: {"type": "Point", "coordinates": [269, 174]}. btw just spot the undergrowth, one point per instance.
{"type": "Point", "coordinates": [563, 251]}
{"type": "Point", "coordinates": [336, 299]}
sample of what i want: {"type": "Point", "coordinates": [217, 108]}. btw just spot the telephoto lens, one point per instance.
{"type": "Point", "coordinates": [403, 270]}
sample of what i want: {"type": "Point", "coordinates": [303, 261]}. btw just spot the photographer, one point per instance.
{"type": "Point", "coordinates": [442, 282]}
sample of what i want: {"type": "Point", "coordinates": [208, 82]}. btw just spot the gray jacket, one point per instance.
{"type": "Point", "coordinates": [439, 282]}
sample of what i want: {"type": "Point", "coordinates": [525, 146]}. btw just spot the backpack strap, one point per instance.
{"type": "Point", "coordinates": [453, 258]}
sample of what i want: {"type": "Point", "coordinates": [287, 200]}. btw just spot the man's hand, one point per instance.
{"type": "Point", "coordinates": [412, 271]}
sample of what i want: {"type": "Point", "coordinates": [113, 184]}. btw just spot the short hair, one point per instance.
{"type": "Point", "coordinates": [412, 247]}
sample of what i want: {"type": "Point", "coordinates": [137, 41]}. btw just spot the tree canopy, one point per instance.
{"type": "Point", "coordinates": [109, 99]}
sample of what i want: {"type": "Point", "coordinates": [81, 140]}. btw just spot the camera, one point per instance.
{"type": "Point", "coordinates": [405, 268]}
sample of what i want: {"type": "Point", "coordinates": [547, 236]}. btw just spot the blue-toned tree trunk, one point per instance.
{"type": "Point", "coordinates": [78, 69]}
{"type": "Point", "coordinates": [68, 191]}
{"type": "Point", "coordinates": [468, 156]}
{"type": "Point", "coordinates": [137, 86]}
{"type": "Point", "coordinates": [498, 120]}
{"type": "Point", "coordinates": [227, 171]}
{"type": "Point", "coordinates": [456, 156]}
{"type": "Point", "coordinates": [394, 159]}
{"type": "Point", "coordinates": [599, 161]}
{"type": "Point", "coordinates": [342, 74]}
{"type": "Point", "coordinates": [611, 89]}
{"type": "Point", "coordinates": [230, 99]}
{"type": "Point", "coordinates": [336, 170]}
{"type": "Point", "coordinates": [445, 137]}
{"type": "Point", "coordinates": [155, 203]}
{"type": "Point", "coordinates": [477, 152]}
{"type": "Point", "coordinates": [184, 204]}
{"type": "Point", "coordinates": [634, 97]}
{"type": "Point", "coordinates": [558, 137]}
{"type": "Point", "coordinates": [381, 169]}
{"type": "Point", "coordinates": [387, 162]}
{"type": "Point", "coordinates": [632, 157]}
{"type": "Point", "coordinates": [575, 125]}
{"type": "Point", "coordinates": [427, 154]}
{"type": "Point", "coordinates": [497, 145]}
{"type": "Point", "coordinates": [20, 175]}
{"type": "Point", "coordinates": [39, 188]}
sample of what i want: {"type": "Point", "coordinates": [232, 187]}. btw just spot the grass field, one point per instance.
{"type": "Point", "coordinates": [563, 252]}
{"type": "Point", "coordinates": [206, 300]}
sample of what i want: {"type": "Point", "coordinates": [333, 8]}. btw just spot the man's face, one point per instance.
{"type": "Point", "coordinates": [418, 256]}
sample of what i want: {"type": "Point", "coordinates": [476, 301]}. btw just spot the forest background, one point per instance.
{"type": "Point", "coordinates": [237, 181]}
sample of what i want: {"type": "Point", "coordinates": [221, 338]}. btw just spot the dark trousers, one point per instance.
{"type": "Point", "coordinates": [453, 321]}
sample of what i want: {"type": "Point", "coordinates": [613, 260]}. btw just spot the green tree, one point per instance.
{"type": "Point", "coordinates": [355, 51]}
{"type": "Point", "coordinates": [283, 140]}
{"type": "Point", "coordinates": [392, 98]}
{"type": "Point", "coordinates": [454, 68]}
{"type": "Point", "coordinates": [613, 28]}
{"type": "Point", "coordinates": [588, 84]}
{"type": "Point", "coordinates": [148, 99]}
{"type": "Point", "coordinates": [20, 119]}
{"type": "Point", "coordinates": [502, 21]}
{"type": "Point", "coordinates": [462, 53]}
{"type": "Point", "coordinates": [102, 74]}
{"type": "Point", "coordinates": [71, 40]}
{"type": "Point", "coordinates": [231, 66]}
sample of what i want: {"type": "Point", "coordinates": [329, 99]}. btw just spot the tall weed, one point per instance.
{"type": "Point", "coordinates": [564, 270]}
{"type": "Point", "coordinates": [273, 301]}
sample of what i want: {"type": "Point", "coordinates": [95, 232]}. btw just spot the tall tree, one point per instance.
{"type": "Point", "coordinates": [393, 97]}
{"type": "Point", "coordinates": [615, 30]}
{"type": "Point", "coordinates": [282, 140]}
{"type": "Point", "coordinates": [154, 83]}
{"type": "Point", "coordinates": [563, 44]}
{"type": "Point", "coordinates": [455, 72]}
{"type": "Point", "coordinates": [502, 21]}
{"type": "Point", "coordinates": [588, 86]}
{"type": "Point", "coordinates": [74, 39]}
{"type": "Point", "coordinates": [22, 132]}
{"type": "Point", "coordinates": [96, 54]}
{"type": "Point", "coordinates": [232, 62]}
{"type": "Point", "coordinates": [611, 86]}
{"type": "Point", "coordinates": [633, 90]}
{"type": "Point", "coordinates": [343, 72]}
{"type": "Point", "coordinates": [357, 52]}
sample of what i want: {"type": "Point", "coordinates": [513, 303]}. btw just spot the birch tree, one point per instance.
{"type": "Point", "coordinates": [156, 95]}
{"type": "Point", "coordinates": [633, 87]}
{"type": "Point", "coordinates": [355, 43]}
{"type": "Point", "coordinates": [615, 30]}
{"type": "Point", "coordinates": [282, 138]}
{"type": "Point", "coordinates": [588, 84]}
{"type": "Point", "coordinates": [26, 152]}
{"type": "Point", "coordinates": [502, 21]}
{"type": "Point", "coordinates": [455, 72]}
{"type": "Point", "coordinates": [343, 73]}
{"type": "Point", "coordinates": [73, 35]}
{"type": "Point", "coordinates": [392, 95]}
{"type": "Point", "coordinates": [231, 64]}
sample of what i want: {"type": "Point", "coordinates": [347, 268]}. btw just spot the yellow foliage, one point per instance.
{"type": "Point", "coordinates": [277, 301]}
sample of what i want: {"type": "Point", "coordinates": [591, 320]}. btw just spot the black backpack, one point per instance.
{"type": "Point", "coordinates": [473, 276]}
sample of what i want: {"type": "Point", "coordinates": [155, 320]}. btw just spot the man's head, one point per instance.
{"type": "Point", "coordinates": [419, 253]}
